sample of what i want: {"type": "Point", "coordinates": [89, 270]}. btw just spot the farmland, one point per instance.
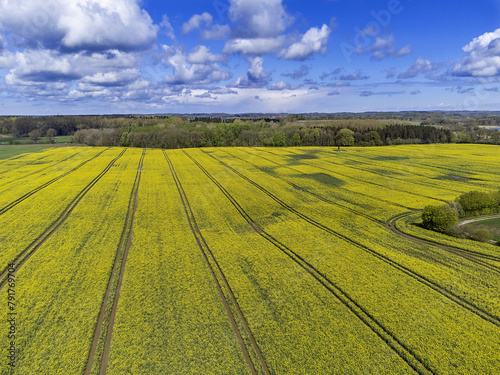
{"type": "Point", "coordinates": [244, 261]}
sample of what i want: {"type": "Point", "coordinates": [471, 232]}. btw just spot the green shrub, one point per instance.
{"type": "Point", "coordinates": [476, 203]}
{"type": "Point", "coordinates": [456, 231]}
{"type": "Point", "coordinates": [439, 218]}
{"type": "Point", "coordinates": [496, 200]}
{"type": "Point", "coordinates": [482, 235]}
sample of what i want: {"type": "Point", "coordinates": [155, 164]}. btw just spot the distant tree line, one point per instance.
{"type": "Point", "coordinates": [277, 131]}
{"type": "Point", "coordinates": [241, 134]}
{"type": "Point", "coordinates": [68, 125]}
{"type": "Point", "coordinates": [443, 218]}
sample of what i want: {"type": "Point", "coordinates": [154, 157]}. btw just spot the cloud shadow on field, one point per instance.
{"type": "Point", "coordinates": [390, 158]}
{"type": "Point", "coordinates": [296, 159]}
{"type": "Point", "coordinates": [455, 177]}
{"type": "Point", "coordinates": [324, 179]}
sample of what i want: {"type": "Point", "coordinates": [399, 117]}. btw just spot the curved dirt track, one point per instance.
{"type": "Point", "coordinates": [484, 218]}
{"type": "Point", "coordinates": [393, 342]}
{"type": "Point", "coordinates": [399, 266]}
{"type": "Point", "coordinates": [474, 257]}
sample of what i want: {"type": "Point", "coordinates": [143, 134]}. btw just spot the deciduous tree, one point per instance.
{"type": "Point", "coordinates": [344, 138]}
{"type": "Point", "coordinates": [476, 202]}
{"type": "Point", "coordinates": [439, 218]}
{"type": "Point", "coordinates": [35, 135]}
{"type": "Point", "coordinates": [51, 133]}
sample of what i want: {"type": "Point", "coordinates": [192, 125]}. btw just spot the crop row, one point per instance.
{"type": "Point", "coordinates": [344, 203]}
{"type": "Point", "coordinates": [431, 266]}
{"type": "Point", "coordinates": [391, 290]}
{"type": "Point", "coordinates": [298, 324]}
{"type": "Point", "coordinates": [170, 318]}
{"type": "Point", "coordinates": [62, 285]}
{"type": "Point", "coordinates": [31, 217]}
{"type": "Point", "coordinates": [31, 185]}
{"type": "Point", "coordinates": [481, 250]}
{"type": "Point", "coordinates": [49, 164]}
{"type": "Point", "coordinates": [465, 165]}
{"type": "Point", "coordinates": [246, 261]}
{"type": "Point", "coordinates": [344, 298]}
{"type": "Point", "coordinates": [324, 183]}
{"type": "Point", "coordinates": [235, 315]}
{"type": "Point", "coordinates": [31, 162]}
{"type": "Point", "coordinates": [99, 351]}
{"type": "Point", "coordinates": [370, 184]}
{"type": "Point", "coordinates": [418, 176]}
{"type": "Point", "coordinates": [418, 165]}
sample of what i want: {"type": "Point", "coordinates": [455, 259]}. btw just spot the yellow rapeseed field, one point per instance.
{"type": "Point", "coordinates": [245, 261]}
{"type": "Point", "coordinates": [59, 289]}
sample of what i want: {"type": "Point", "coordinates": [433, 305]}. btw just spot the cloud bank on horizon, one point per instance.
{"type": "Point", "coordinates": [131, 56]}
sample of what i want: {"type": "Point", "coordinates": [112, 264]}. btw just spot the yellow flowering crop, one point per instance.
{"type": "Point", "coordinates": [300, 236]}
{"type": "Point", "coordinates": [169, 317]}
{"type": "Point", "coordinates": [60, 288]}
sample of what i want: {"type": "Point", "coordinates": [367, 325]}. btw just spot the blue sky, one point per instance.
{"type": "Point", "coordinates": [235, 56]}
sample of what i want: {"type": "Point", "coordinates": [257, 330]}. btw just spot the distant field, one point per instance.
{"type": "Point", "coordinates": [357, 123]}
{"type": "Point", "coordinates": [245, 261]}
{"type": "Point", "coordinates": [491, 225]}
{"type": "Point", "coordinates": [10, 151]}
{"type": "Point", "coordinates": [11, 140]}
{"type": "Point", "coordinates": [490, 127]}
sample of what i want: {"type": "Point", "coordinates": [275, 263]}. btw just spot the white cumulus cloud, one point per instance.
{"type": "Point", "coordinates": [208, 30]}
{"type": "Point", "coordinates": [383, 47]}
{"type": "Point", "coordinates": [44, 66]}
{"type": "Point", "coordinates": [313, 41]}
{"type": "Point", "coordinates": [7, 59]}
{"type": "Point", "coordinates": [79, 24]}
{"type": "Point", "coordinates": [202, 55]}
{"type": "Point", "coordinates": [256, 76]}
{"type": "Point", "coordinates": [260, 27]}
{"type": "Point", "coordinates": [167, 27]}
{"type": "Point", "coordinates": [216, 32]}
{"type": "Point", "coordinates": [420, 66]}
{"type": "Point", "coordinates": [188, 73]}
{"type": "Point", "coordinates": [280, 86]}
{"type": "Point", "coordinates": [116, 78]}
{"type": "Point", "coordinates": [196, 22]}
{"type": "Point", "coordinates": [41, 66]}
{"type": "Point", "coordinates": [259, 18]}
{"type": "Point", "coordinates": [483, 59]}
{"type": "Point", "coordinates": [257, 46]}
